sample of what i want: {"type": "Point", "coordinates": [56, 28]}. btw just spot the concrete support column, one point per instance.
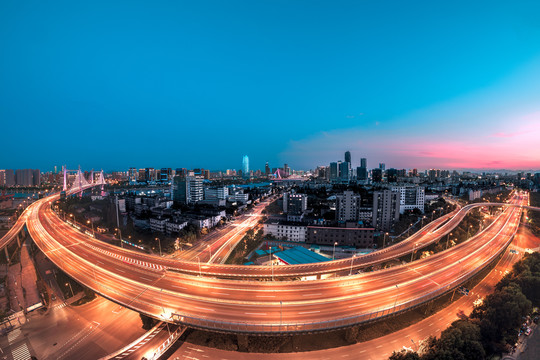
{"type": "Point", "coordinates": [7, 254]}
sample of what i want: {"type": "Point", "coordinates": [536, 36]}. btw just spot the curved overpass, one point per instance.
{"type": "Point", "coordinates": [429, 234]}
{"type": "Point", "coordinates": [265, 306]}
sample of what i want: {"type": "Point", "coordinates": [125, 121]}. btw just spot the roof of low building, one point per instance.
{"type": "Point", "coordinates": [300, 255]}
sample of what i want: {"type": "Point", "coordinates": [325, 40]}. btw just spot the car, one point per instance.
{"type": "Point", "coordinates": [535, 320]}
{"type": "Point", "coordinates": [53, 297]}
{"type": "Point", "coordinates": [528, 331]}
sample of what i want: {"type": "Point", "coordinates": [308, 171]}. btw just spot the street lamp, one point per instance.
{"type": "Point", "coordinates": [334, 251]}
{"type": "Point", "coordinates": [70, 289]}
{"type": "Point", "coordinates": [395, 301]}
{"type": "Point", "coordinates": [91, 222]}
{"type": "Point", "coordinates": [409, 230]}
{"type": "Point", "coordinates": [447, 238]}
{"type": "Point", "coordinates": [352, 258]}
{"type": "Point", "coordinates": [423, 217]}
{"type": "Point", "coordinates": [159, 241]}
{"type": "Point", "coordinates": [384, 239]}
{"type": "Point", "coordinates": [412, 253]}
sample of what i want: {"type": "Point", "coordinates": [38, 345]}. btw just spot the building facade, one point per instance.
{"type": "Point", "coordinates": [386, 205]}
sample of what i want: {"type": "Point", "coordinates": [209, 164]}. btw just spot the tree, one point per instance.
{"type": "Point", "coordinates": [462, 340]}
{"type": "Point", "coordinates": [500, 315]}
{"type": "Point", "coordinates": [404, 355]}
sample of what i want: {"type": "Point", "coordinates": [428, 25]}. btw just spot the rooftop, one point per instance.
{"type": "Point", "coordinates": [300, 255]}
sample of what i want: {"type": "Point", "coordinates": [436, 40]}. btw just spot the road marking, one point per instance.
{"type": "Point", "coordinates": [309, 312]}
{"type": "Point", "coordinates": [196, 307]}
{"type": "Point", "coordinates": [255, 313]}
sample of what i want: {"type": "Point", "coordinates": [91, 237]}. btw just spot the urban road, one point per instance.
{"type": "Point", "coordinates": [146, 284]}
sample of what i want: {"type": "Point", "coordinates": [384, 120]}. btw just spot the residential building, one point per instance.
{"type": "Point", "coordinates": [347, 206]}
{"type": "Point", "coordinates": [386, 205]}
{"type": "Point", "coordinates": [294, 203]}
{"type": "Point", "coordinates": [411, 197]}
{"type": "Point", "coordinates": [289, 231]}
{"type": "Point", "coordinates": [9, 179]}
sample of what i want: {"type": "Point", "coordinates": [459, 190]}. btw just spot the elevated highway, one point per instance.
{"type": "Point", "coordinates": [145, 285]}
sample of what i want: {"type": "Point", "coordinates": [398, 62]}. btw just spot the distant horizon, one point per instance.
{"type": "Point", "coordinates": [299, 169]}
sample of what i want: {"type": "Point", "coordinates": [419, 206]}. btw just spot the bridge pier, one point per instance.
{"type": "Point", "coordinates": [18, 237]}
{"type": "Point", "coordinates": [7, 254]}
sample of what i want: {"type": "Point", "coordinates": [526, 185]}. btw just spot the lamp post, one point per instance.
{"type": "Point", "coordinates": [384, 240]}
{"type": "Point", "coordinates": [423, 217]}
{"type": "Point", "coordinates": [409, 230]}
{"type": "Point", "coordinates": [159, 242]}
{"type": "Point", "coordinates": [468, 230]}
{"type": "Point", "coordinates": [395, 301]}
{"type": "Point", "coordinates": [350, 272]}
{"type": "Point", "coordinates": [91, 222]}
{"type": "Point", "coordinates": [334, 251]}
{"type": "Point", "coordinates": [70, 289]}
{"type": "Point", "coordinates": [412, 253]}
{"type": "Point", "coordinates": [448, 238]}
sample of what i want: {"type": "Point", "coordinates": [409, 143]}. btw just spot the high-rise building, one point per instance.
{"type": "Point", "coordinates": [245, 166]}
{"type": "Point", "coordinates": [363, 163]}
{"type": "Point", "coordinates": [382, 166]}
{"type": "Point", "coordinates": [411, 197]}
{"type": "Point", "coordinates": [187, 189]}
{"type": "Point", "coordinates": [2, 177]}
{"type": "Point", "coordinates": [24, 177]}
{"type": "Point", "coordinates": [361, 173]}
{"type": "Point", "coordinates": [376, 175]}
{"type": "Point", "coordinates": [286, 170]}
{"type": "Point", "coordinates": [165, 174]}
{"type": "Point", "coordinates": [348, 157]}
{"type": "Point", "coordinates": [9, 179]}
{"type": "Point", "coordinates": [267, 169]}
{"type": "Point", "coordinates": [132, 174]}
{"type": "Point", "coordinates": [294, 203]}
{"type": "Point", "coordinates": [36, 177]}
{"type": "Point", "coordinates": [334, 170]}
{"type": "Point", "coordinates": [344, 171]}
{"type": "Point", "coordinates": [385, 209]}
{"type": "Point", "coordinates": [391, 175]}
{"type": "Point", "coordinates": [347, 206]}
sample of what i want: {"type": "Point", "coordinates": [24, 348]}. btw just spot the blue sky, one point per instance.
{"type": "Point", "coordinates": [199, 84]}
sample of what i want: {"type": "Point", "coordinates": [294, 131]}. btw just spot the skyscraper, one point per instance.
{"type": "Point", "coordinates": [363, 163]}
{"type": "Point", "coordinates": [245, 166]}
{"type": "Point", "coordinates": [267, 169]}
{"type": "Point", "coordinates": [382, 166]}
{"type": "Point", "coordinates": [348, 156]}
